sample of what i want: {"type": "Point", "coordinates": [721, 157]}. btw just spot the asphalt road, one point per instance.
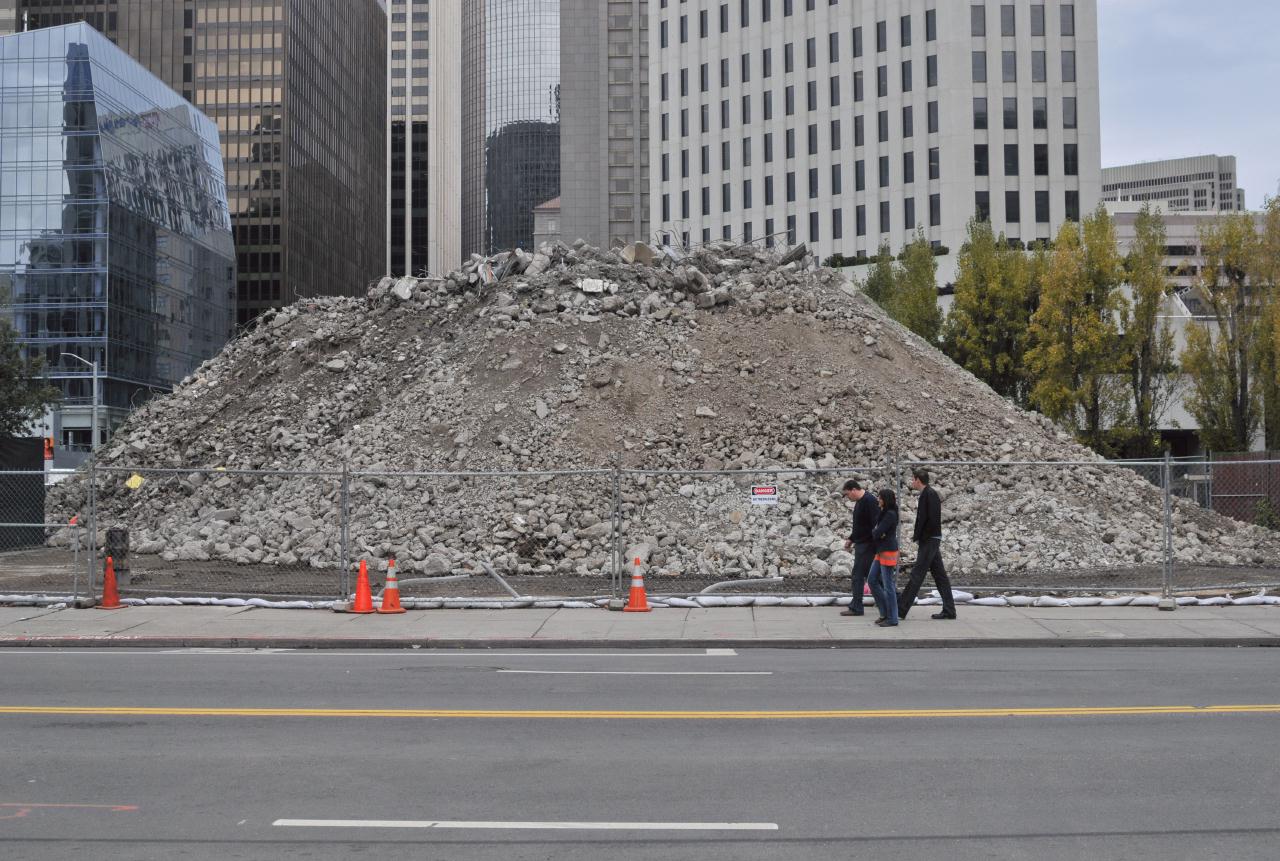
{"type": "Point", "coordinates": [963, 754]}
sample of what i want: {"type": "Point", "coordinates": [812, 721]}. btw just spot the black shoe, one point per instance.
{"type": "Point", "coordinates": [885, 623]}
{"type": "Point", "coordinates": [881, 619]}
{"type": "Point", "coordinates": [849, 613]}
{"type": "Point", "coordinates": [943, 615]}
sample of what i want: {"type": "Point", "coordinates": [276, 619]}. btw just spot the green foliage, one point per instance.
{"type": "Point", "coordinates": [879, 285]}
{"type": "Point", "coordinates": [995, 295]}
{"type": "Point", "coordinates": [24, 394]}
{"type": "Point", "coordinates": [1266, 515]}
{"type": "Point", "coordinates": [914, 301]}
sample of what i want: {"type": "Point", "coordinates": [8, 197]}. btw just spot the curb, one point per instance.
{"type": "Point", "coordinates": [386, 643]}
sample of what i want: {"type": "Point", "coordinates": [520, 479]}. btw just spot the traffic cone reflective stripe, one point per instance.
{"type": "Point", "coordinates": [637, 601]}
{"type": "Point", "coordinates": [110, 597]}
{"type": "Point", "coordinates": [391, 591]}
{"type": "Point", "coordinates": [364, 595]}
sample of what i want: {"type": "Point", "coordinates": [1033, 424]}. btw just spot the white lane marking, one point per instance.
{"type": "Point", "coordinates": [212, 651]}
{"type": "Point", "coordinates": [636, 673]}
{"type": "Point", "coordinates": [385, 653]}
{"type": "Point", "coordinates": [529, 826]}
{"type": "Point", "coordinates": [721, 653]}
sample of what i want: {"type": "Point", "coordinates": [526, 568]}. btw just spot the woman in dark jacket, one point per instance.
{"type": "Point", "coordinates": [881, 578]}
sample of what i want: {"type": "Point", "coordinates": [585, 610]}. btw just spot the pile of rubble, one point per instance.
{"type": "Point", "coordinates": [729, 358]}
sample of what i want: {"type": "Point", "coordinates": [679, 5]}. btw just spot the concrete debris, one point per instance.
{"type": "Point", "coordinates": [724, 357]}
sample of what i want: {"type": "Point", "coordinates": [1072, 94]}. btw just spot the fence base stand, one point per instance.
{"type": "Point", "coordinates": [616, 604]}
{"type": "Point", "coordinates": [85, 603]}
{"type": "Point", "coordinates": [1168, 604]}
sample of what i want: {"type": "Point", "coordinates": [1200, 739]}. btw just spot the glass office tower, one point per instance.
{"type": "Point", "coordinates": [511, 128]}
{"type": "Point", "coordinates": [115, 238]}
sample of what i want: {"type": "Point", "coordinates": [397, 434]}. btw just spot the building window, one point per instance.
{"type": "Point", "coordinates": [835, 90]}
{"type": "Point", "coordinates": [1012, 207]}
{"type": "Point", "coordinates": [909, 213]}
{"type": "Point", "coordinates": [1073, 205]}
{"type": "Point", "coordinates": [791, 187]}
{"type": "Point", "coordinates": [1010, 159]}
{"type": "Point", "coordinates": [1009, 66]}
{"type": "Point", "coordinates": [982, 205]}
{"type": "Point", "coordinates": [724, 73]}
{"type": "Point", "coordinates": [724, 114]}
{"type": "Point", "coordinates": [857, 42]}
{"type": "Point", "coordinates": [1042, 207]}
{"type": "Point", "coordinates": [833, 48]}
{"type": "Point", "coordinates": [662, 34]}
{"type": "Point", "coordinates": [908, 168]}
{"type": "Point", "coordinates": [857, 86]}
{"type": "Point", "coordinates": [813, 139]}
{"type": "Point", "coordinates": [665, 125]}
{"type": "Point", "coordinates": [790, 141]}
{"type": "Point", "coordinates": [666, 207]}
{"type": "Point", "coordinates": [980, 112]}
{"type": "Point", "coordinates": [1037, 19]}
{"type": "Point", "coordinates": [1007, 20]}
{"type": "Point", "coordinates": [935, 210]}
{"type": "Point", "coordinates": [977, 20]}
{"type": "Point", "coordinates": [1071, 159]}
{"type": "Point", "coordinates": [933, 118]}
{"type": "Point", "coordinates": [768, 193]}
{"type": "Point", "coordinates": [724, 17]}
{"type": "Point", "coordinates": [860, 220]}
{"type": "Point", "coordinates": [746, 68]}
{"type": "Point", "coordinates": [684, 206]}
{"type": "Point", "coordinates": [684, 29]}
{"type": "Point", "coordinates": [931, 70]}
{"type": "Point", "coordinates": [860, 175]}
{"type": "Point", "coordinates": [1069, 112]}
{"type": "Point", "coordinates": [835, 135]}
{"type": "Point", "coordinates": [1040, 112]}
{"type": "Point", "coordinates": [768, 104]}
{"type": "Point", "coordinates": [931, 26]}
{"type": "Point", "coordinates": [979, 67]}
{"type": "Point", "coordinates": [859, 136]}
{"type": "Point", "coordinates": [726, 197]}
{"type": "Point", "coordinates": [705, 117]}
{"type": "Point", "coordinates": [684, 82]}
{"type": "Point", "coordinates": [882, 81]}
{"type": "Point", "coordinates": [837, 224]}
{"type": "Point", "coordinates": [703, 77]}
{"type": "Point", "coordinates": [789, 100]}
{"type": "Point", "coordinates": [883, 126]}
{"type": "Point", "coordinates": [935, 163]}
{"type": "Point", "coordinates": [1068, 67]}
{"type": "Point", "coordinates": [908, 122]}
{"type": "Point", "coordinates": [813, 183]}
{"type": "Point", "coordinates": [791, 230]}
{"type": "Point", "coordinates": [788, 59]}
{"type": "Point", "coordinates": [766, 62]}
{"type": "Point", "coordinates": [906, 76]}
{"type": "Point", "coordinates": [1042, 159]}
{"type": "Point", "coordinates": [706, 160]}
{"type": "Point", "coordinates": [810, 52]}
{"type": "Point", "coordinates": [746, 110]}
{"type": "Point", "coordinates": [746, 152]}
{"type": "Point", "coordinates": [811, 96]}
{"type": "Point", "coordinates": [684, 164]}
{"type": "Point", "coordinates": [1038, 73]}
{"type": "Point", "coordinates": [1068, 19]}
{"type": "Point", "coordinates": [981, 161]}
{"type": "Point", "coordinates": [835, 180]}
{"type": "Point", "coordinates": [813, 227]}
{"type": "Point", "coordinates": [886, 226]}
{"type": "Point", "coordinates": [663, 86]}
{"type": "Point", "coordinates": [905, 26]}
{"type": "Point", "coordinates": [706, 200]}
{"type": "Point", "coordinates": [882, 36]}
{"type": "Point", "coordinates": [765, 15]}
{"type": "Point", "coordinates": [725, 162]}
{"type": "Point", "coordinates": [884, 171]}
{"type": "Point", "coordinates": [768, 147]}
{"type": "Point", "coordinates": [1011, 112]}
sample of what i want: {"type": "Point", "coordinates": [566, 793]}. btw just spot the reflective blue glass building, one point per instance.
{"type": "Point", "coordinates": [115, 239]}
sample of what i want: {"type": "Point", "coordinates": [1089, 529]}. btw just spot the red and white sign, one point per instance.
{"type": "Point", "coordinates": [764, 494]}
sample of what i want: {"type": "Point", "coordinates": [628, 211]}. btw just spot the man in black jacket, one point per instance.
{"type": "Point", "coordinates": [928, 537]}
{"type": "Point", "coordinates": [866, 511]}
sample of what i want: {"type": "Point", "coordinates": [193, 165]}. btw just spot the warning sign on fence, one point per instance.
{"type": "Point", "coordinates": [764, 494]}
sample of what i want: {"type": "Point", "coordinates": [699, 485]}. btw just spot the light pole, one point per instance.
{"type": "Point", "coordinates": [93, 434]}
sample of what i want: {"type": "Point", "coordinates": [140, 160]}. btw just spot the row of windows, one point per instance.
{"type": "Point", "coordinates": [1162, 180]}
{"type": "Point", "coordinates": [1008, 19]}
{"type": "Point", "coordinates": [1013, 206]}
{"type": "Point", "coordinates": [788, 7]}
{"type": "Point", "coordinates": [1040, 157]}
{"type": "Point", "coordinates": [907, 78]}
{"type": "Point", "coordinates": [1009, 67]}
{"type": "Point", "coordinates": [704, 116]}
{"type": "Point", "coordinates": [1039, 112]}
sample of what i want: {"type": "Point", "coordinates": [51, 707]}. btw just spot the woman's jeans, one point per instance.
{"type": "Point", "coordinates": [884, 591]}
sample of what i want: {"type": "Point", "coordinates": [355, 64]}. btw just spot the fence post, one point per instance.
{"type": "Point", "coordinates": [91, 548]}
{"type": "Point", "coordinates": [616, 528]}
{"type": "Point", "coordinates": [344, 531]}
{"type": "Point", "coordinates": [1167, 601]}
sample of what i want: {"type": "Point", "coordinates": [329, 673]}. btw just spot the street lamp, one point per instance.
{"type": "Point", "coordinates": [93, 437]}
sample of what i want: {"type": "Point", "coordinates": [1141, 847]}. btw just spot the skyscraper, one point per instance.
{"type": "Point", "coordinates": [425, 140]}
{"type": "Point", "coordinates": [116, 262]}
{"type": "Point", "coordinates": [298, 91]}
{"type": "Point", "coordinates": [511, 119]}
{"type": "Point", "coordinates": [847, 125]}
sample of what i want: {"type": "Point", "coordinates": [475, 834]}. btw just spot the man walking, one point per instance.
{"type": "Point", "coordinates": [866, 511]}
{"type": "Point", "coordinates": [928, 538]}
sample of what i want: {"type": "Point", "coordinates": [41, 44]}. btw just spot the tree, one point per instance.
{"type": "Point", "coordinates": [1222, 355]}
{"type": "Point", "coordinates": [24, 393]}
{"type": "Point", "coordinates": [914, 301]}
{"type": "Point", "coordinates": [880, 283]}
{"type": "Point", "coordinates": [1148, 347]}
{"type": "Point", "coordinates": [1073, 355]}
{"type": "Point", "coordinates": [1265, 277]}
{"type": "Point", "coordinates": [995, 294]}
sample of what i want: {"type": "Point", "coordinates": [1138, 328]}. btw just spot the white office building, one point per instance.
{"type": "Point", "coordinates": [845, 123]}
{"type": "Point", "coordinates": [1204, 183]}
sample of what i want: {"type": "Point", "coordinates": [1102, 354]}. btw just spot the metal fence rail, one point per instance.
{"type": "Point", "coordinates": [567, 533]}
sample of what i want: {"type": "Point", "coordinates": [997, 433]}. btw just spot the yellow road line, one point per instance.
{"type": "Point", "coordinates": [592, 714]}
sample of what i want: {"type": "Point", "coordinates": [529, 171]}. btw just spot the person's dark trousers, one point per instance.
{"type": "Point", "coordinates": [863, 555]}
{"type": "Point", "coordinates": [928, 561]}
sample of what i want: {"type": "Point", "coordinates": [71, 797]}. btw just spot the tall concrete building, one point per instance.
{"type": "Point", "coordinates": [298, 91]}
{"type": "Point", "coordinates": [1204, 183]}
{"type": "Point", "coordinates": [424, 136]}
{"type": "Point", "coordinates": [511, 119]}
{"type": "Point", "coordinates": [604, 97]}
{"type": "Point", "coordinates": [845, 125]}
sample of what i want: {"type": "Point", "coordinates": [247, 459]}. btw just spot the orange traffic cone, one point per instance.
{"type": "Point", "coordinates": [637, 601]}
{"type": "Point", "coordinates": [364, 596]}
{"type": "Point", "coordinates": [391, 591]}
{"type": "Point", "coordinates": [110, 597]}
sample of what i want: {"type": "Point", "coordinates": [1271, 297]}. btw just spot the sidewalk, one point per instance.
{"type": "Point", "coordinates": [723, 627]}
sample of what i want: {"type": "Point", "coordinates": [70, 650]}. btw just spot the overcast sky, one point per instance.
{"type": "Point", "coordinates": [1193, 77]}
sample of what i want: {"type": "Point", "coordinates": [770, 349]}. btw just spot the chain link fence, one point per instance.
{"type": "Point", "coordinates": [1149, 526]}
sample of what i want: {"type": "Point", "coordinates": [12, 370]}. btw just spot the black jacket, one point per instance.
{"type": "Point", "coordinates": [865, 514]}
{"type": "Point", "coordinates": [928, 516]}
{"type": "Point", "coordinates": [886, 531]}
